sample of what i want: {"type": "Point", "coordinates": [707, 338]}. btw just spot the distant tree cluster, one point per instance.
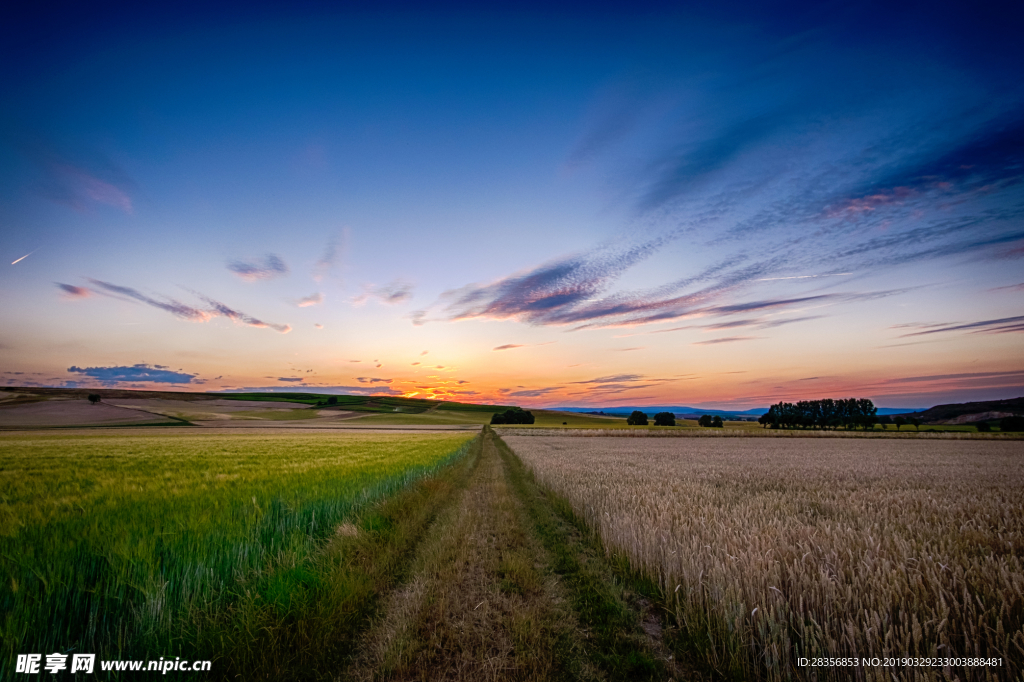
{"type": "Point", "coordinates": [664, 419]}
{"type": "Point", "coordinates": [514, 415]}
{"type": "Point", "coordinates": [1014, 423]}
{"type": "Point", "coordinates": [94, 398]}
{"type": "Point", "coordinates": [637, 418]}
{"type": "Point", "coordinates": [822, 414]}
{"type": "Point", "coordinates": [711, 422]}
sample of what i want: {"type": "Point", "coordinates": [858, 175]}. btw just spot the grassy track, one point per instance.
{"type": "Point", "coordinates": [503, 587]}
{"type": "Point", "coordinates": [115, 544]}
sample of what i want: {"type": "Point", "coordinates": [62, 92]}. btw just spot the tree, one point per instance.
{"type": "Point", "coordinates": [763, 420]}
{"type": "Point", "coordinates": [916, 422]}
{"type": "Point", "coordinates": [1015, 423]}
{"type": "Point", "coordinates": [884, 420]}
{"type": "Point", "coordinates": [333, 400]}
{"type": "Point", "coordinates": [899, 421]}
{"type": "Point", "coordinates": [637, 418]}
{"type": "Point", "coordinates": [705, 420]}
{"type": "Point", "coordinates": [983, 427]}
{"type": "Point", "coordinates": [664, 419]}
{"type": "Point", "coordinates": [716, 422]}
{"type": "Point", "coordinates": [94, 398]}
{"type": "Point", "coordinates": [514, 415]}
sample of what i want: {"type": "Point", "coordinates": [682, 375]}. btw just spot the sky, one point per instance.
{"type": "Point", "coordinates": [710, 204]}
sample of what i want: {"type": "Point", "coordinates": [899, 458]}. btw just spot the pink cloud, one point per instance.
{"type": "Point", "coordinates": [311, 300]}
{"type": "Point", "coordinates": [73, 292]}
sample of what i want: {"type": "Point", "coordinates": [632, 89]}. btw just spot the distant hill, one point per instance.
{"type": "Point", "coordinates": [963, 413]}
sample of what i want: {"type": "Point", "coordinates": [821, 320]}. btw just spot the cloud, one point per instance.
{"type": "Point", "coordinates": [311, 300]}
{"type": "Point", "coordinates": [72, 292]}
{"type": "Point", "coordinates": [75, 186]}
{"type": "Point", "coordinates": [998, 326]}
{"type": "Point", "coordinates": [615, 378]}
{"type": "Point", "coordinates": [176, 308]}
{"type": "Point", "coordinates": [371, 380]}
{"type": "Point", "coordinates": [390, 294]}
{"type": "Point", "coordinates": [290, 379]}
{"type": "Point", "coordinates": [318, 325]}
{"type": "Point", "coordinates": [726, 339]}
{"type": "Point", "coordinates": [187, 312]}
{"type": "Point", "coordinates": [140, 372]}
{"type": "Point", "coordinates": [332, 252]}
{"type": "Point", "coordinates": [528, 393]}
{"type": "Point", "coordinates": [241, 318]}
{"type": "Point", "coordinates": [269, 267]}
{"type": "Point", "coordinates": [1011, 287]}
{"type": "Point", "coordinates": [508, 346]}
{"type": "Point", "coordinates": [681, 169]}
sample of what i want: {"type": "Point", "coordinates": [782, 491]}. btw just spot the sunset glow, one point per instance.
{"type": "Point", "coordinates": [539, 207]}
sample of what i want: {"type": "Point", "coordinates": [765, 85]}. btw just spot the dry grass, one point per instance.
{"type": "Point", "coordinates": [772, 549]}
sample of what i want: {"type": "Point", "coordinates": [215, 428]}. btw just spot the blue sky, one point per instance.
{"type": "Point", "coordinates": [714, 205]}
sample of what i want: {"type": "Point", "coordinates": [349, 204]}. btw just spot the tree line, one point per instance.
{"type": "Point", "coordinates": [822, 414]}
{"type": "Point", "coordinates": [515, 415]}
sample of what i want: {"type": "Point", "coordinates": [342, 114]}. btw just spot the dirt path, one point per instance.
{"type": "Point", "coordinates": [480, 605]}
{"type": "Point", "coordinates": [499, 589]}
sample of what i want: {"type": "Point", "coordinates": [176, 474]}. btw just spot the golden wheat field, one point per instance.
{"type": "Point", "coordinates": [772, 550]}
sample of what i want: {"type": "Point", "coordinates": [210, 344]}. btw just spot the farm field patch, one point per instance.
{"type": "Point", "coordinates": [771, 549]}
{"type": "Point", "coordinates": [111, 542]}
{"type": "Point", "coordinates": [64, 413]}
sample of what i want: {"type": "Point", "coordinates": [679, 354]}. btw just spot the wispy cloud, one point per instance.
{"type": "Point", "coordinates": [218, 308]}
{"type": "Point", "coordinates": [333, 251]}
{"type": "Point", "coordinates": [184, 311]}
{"type": "Point", "coordinates": [726, 339]}
{"type": "Point", "coordinates": [612, 379]}
{"type": "Point", "coordinates": [269, 267]}
{"type": "Point", "coordinates": [999, 326]}
{"type": "Point", "coordinates": [170, 305]}
{"type": "Point", "coordinates": [510, 346]}
{"type": "Point", "coordinates": [527, 393]}
{"type": "Point", "coordinates": [311, 300]}
{"type": "Point", "coordinates": [373, 380]}
{"type": "Point", "coordinates": [82, 188]}
{"type": "Point", "coordinates": [397, 291]}
{"type": "Point", "coordinates": [141, 372]}
{"type": "Point", "coordinates": [72, 292]}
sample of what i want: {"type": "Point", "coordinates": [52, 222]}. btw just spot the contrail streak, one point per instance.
{"type": "Point", "coordinates": [23, 257]}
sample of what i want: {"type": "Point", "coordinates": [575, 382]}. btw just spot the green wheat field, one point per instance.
{"type": "Point", "coordinates": [121, 543]}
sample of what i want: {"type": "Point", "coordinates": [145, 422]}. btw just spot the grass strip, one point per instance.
{"type": "Point", "coordinates": [480, 602]}
{"type": "Point", "coordinates": [301, 620]}
{"type": "Point", "coordinates": [616, 643]}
